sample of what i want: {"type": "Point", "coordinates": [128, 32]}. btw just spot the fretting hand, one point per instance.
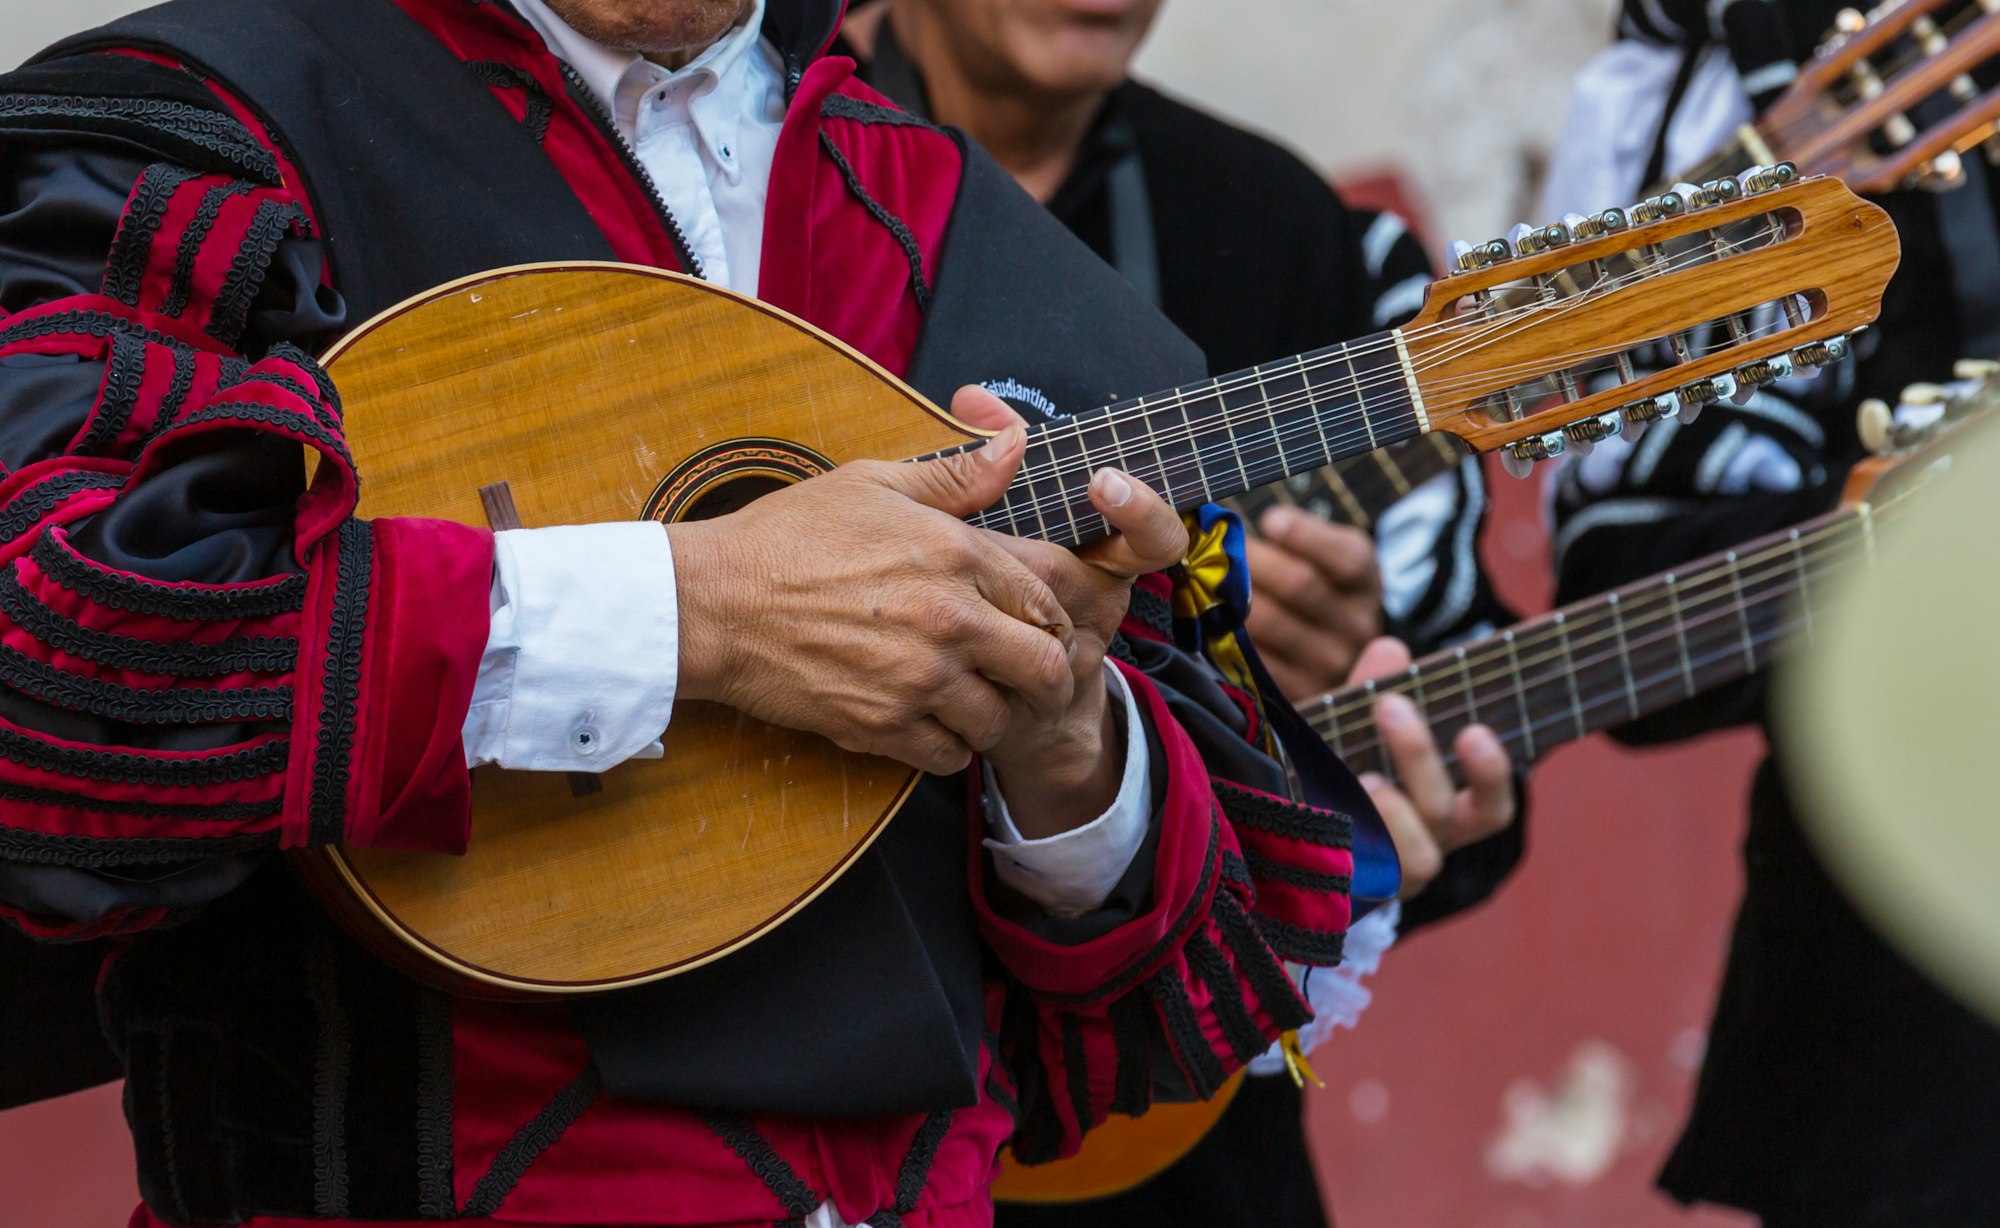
{"type": "Point", "coordinates": [1316, 599]}
{"type": "Point", "coordinates": [1426, 814]}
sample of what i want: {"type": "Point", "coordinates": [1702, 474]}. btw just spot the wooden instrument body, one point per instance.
{"type": "Point", "coordinates": [744, 823]}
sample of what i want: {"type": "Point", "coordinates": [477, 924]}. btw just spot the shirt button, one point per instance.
{"type": "Point", "coordinates": [584, 739]}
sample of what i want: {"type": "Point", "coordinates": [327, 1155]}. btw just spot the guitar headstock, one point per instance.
{"type": "Point", "coordinates": [1906, 445]}
{"type": "Point", "coordinates": [1852, 112]}
{"type": "Point", "coordinates": [1528, 348]}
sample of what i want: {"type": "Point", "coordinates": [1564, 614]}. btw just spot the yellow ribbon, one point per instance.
{"type": "Point", "coordinates": [1296, 1064]}
{"type": "Point", "coordinates": [1198, 589]}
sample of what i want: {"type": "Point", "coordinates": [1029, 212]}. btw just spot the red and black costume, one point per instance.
{"type": "Point", "coordinates": [203, 660]}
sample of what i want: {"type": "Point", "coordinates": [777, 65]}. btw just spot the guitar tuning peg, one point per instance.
{"type": "Point", "coordinates": [1849, 22]}
{"type": "Point", "coordinates": [1723, 190]}
{"type": "Point", "coordinates": [1923, 394]}
{"type": "Point", "coordinates": [1759, 179]}
{"type": "Point", "coordinates": [1942, 173]}
{"type": "Point", "coordinates": [1596, 224]}
{"type": "Point", "coordinates": [1655, 208]}
{"type": "Point", "coordinates": [1975, 369]}
{"type": "Point", "coordinates": [1585, 435]}
{"type": "Point", "coordinates": [1521, 239]}
{"type": "Point", "coordinates": [1819, 354]}
{"type": "Point", "coordinates": [1519, 458]}
{"type": "Point", "coordinates": [1701, 393]}
{"type": "Point", "coordinates": [1875, 423]}
{"type": "Point", "coordinates": [1693, 196]}
{"type": "Point", "coordinates": [1641, 414]}
{"type": "Point", "coordinates": [1753, 376]}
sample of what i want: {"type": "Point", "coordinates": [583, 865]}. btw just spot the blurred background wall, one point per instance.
{"type": "Point", "coordinates": [1525, 1066]}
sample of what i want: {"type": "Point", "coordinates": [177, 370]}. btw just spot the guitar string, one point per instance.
{"type": "Point", "coordinates": [1840, 91]}
{"type": "Point", "coordinates": [1222, 426]}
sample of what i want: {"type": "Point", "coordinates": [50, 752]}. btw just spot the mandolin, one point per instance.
{"type": "Point", "coordinates": [1592, 665]}
{"type": "Point", "coordinates": [547, 379]}
{"type": "Point", "coordinates": [1847, 114]}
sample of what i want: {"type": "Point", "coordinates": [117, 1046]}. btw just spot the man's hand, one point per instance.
{"type": "Point", "coordinates": [1317, 598]}
{"type": "Point", "coordinates": [1059, 773]}
{"type": "Point", "coordinates": [1427, 816]}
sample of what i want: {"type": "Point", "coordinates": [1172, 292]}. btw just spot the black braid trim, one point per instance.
{"type": "Point", "coordinates": [435, 1198]}
{"type": "Point", "coordinates": [1275, 991]}
{"type": "Point", "coordinates": [325, 401]}
{"type": "Point", "coordinates": [332, 1068]}
{"type": "Point", "coordinates": [1132, 1033]}
{"type": "Point", "coordinates": [1076, 1070]}
{"type": "Point", "coordinates": [28, 508]}
{"type": "Point", "coordinates": [139, 706]}
{"type": "Point", "coordinates": [214, 131]}
{"type": "Point", "coordinates": [916, 1171]}
{"type": "Point", "coordinates": [340, 697]}
{"type": "Point", "coordinates": [246, 273]}
{"type": "Point", "coordinates": [212, 812]}
{"type": "Point", "coordinates": [1282, 818]}
{"type": "Point", "coordinates": [1237, 1026]}
{"type": "Point", "coordinates": [126, 767]}
{"type": "Point", "coordinates": [123, 372]}
{"type": "Point", "coordinates": [237, 655]}
{"type": "Point", "coordinates": [756, 1151]}
{"type": "Point", "coordinates": [1155, 611]}
{"type": "Point", "coordinates": [270, 415]}
{"type": "Point", "coordinates": [82, 324]}
{"type": "Point", "coordinates": [98, 853]}
{"type": "Point", "coordinates": [122, 592]}
{"type": "Point", "coordinates": [177, 392]}
{"type": "Point", "coordinates": [196, 234]}
{"type": "Point", "coordinates": [1299, 944]}
{"type": "Point", "coordinates": [497, 74]}
{"type": "Point", "coordinates": [918, 286]}
{"type": "Point", "coordinates": [1190, 916]}
{"type": "Point", "coordinates": [862, 111]}
{"type": "Point", "coordinates": [1121, 649]}
{"type": "Point", "coordinates": [1234, 870]}
{"type": "Point", "coordinates": [534, 1138]}
{"type": "Point", "coordinates": [134, 242]}
{"type": "Point", "coordinates": [880, 1219]}
{"type": "Point", "coordinates": [1317, 881]}
{"type": "Point", "coordinates": [1204, 1069]}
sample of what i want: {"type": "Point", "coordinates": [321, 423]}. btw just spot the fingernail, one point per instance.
{"type": "Point", "coordinates": [1397, 711]}
{"type": "Point", "coordinates": [1112, 485]}
{"type": "Point", "coordinates": [1276, 520]}
{"type": "Point", "coordinates": [1371, 781]}
{"type": "Point", "coordinates": [999, 445]}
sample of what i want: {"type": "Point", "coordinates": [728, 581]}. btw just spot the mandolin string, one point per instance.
{"type": "Point", "coordinates": [1224, 424]}
{"type": "Point", "coordinates": [1842, 90]}
{"type": "Point", "coordinates": [1515, 320]}
{"type": "Point", "coordinates": [1821, 552]}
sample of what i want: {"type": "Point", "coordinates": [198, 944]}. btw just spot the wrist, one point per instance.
{"type": "Point", "coordinates": [1071, 775]}
{"type": "Point", "coordinates": [705, 620]}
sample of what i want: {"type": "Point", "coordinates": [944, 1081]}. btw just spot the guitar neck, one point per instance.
{"type": "Point", "coordinates": [1356, 492]}
{"type": "Point", "coordinates": [1215, 439]}
{"type": "Point", "coordinates": [1614, 658]}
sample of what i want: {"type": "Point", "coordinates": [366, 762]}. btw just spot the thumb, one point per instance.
{"type": "Point", "coordinates": [963, 482]}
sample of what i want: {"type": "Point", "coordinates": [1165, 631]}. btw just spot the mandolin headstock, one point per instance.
{"type": "Point", "coordinates": [1906, 445]}
{"type": "Point", "coordinates": [1530, 347]}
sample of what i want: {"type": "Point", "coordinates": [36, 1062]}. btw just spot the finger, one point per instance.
{"type": "Point", "coordinates": [1416, 850]}
{"type": "Point", "coordinates": [974, 709]}
{"type": "Point", "coordinates": [924, 744]}
{"type": "Point", "coordinates": [1342, 553]}
{"type": "Point", "coordinates": [1414, 752]}
{"type": "Point", "coordinates": [1019, 590]}
{"type": "Point", "coordinates": [1276, 572]}
{"type": "Point", "coordinates": [1486, 805]}
{"type": "Point", "coordinates": [1150, 535]}
{"type": "Point", "coordinates": [1317, 661]}
{"type": "Point", "coordinates": [976, 407]}
{"type": "Point", "coordinates": [1030, 662]}
{"type": "Point", "coordinates": [960, 483]}
{"type": "Point", "coordinates": [1094, 598]}
{"type": "Point", "coordinates": [1379, 658]}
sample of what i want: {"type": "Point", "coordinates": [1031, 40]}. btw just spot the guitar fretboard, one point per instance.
{"type": "Point", "coordinates": [1614, 658]}
{"type": "Point", "coordinates": [1356, 492]}
{"type": "Point", "coordinates": [1214, 439]}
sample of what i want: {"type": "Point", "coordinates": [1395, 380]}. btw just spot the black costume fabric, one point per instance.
{"type": "Point", "coordinates": [1255, 258]}
{"type": "Point", "coordinates": [1840, 1087]}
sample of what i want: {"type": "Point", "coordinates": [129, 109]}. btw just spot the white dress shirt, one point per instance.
{"type": "Point", "coordinates": [550, 696]}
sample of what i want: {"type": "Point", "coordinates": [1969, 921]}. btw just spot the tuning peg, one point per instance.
{"type": "Point", "coordinates": [1975, 368]}
{"type": "Point", "coordinates": [1641, 414]}
{"type": "Point", "coordinates": [1819, 353]}
{"type": "Point", "coordinates": [1765, 371]}
{"type": "Point", "coordinates": [1760, 179]}
{"type": "Point", "coordinates": [1701, 393]}
{"type": "Point", "coordinates": [1875, 423]}
{"type": "Point", "coordinates": [1723, 190]}
{"type": "Point", "coordinates": [1655, 208]}
{"type": "Point", "coordinates": [1519, 459]}
{"type": "Point", "coordinates": [1942, 173]}
{"type": "Point", "coordinates": [1605, 222]}
{"type": "Point", "coordinates": [1923, 394]}
{"type": "Point", "coordinates": [1849, 22]}
{"type": "Point", "coordinates": [1466, 257]}
{"type": "Point", "coordinates": [1585, 435]}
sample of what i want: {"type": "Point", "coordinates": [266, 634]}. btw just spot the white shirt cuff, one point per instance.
{"type": "Point", "coordinates": [1073, 873]}
{"type": "Point", "coordinates": [583, 650]}
{"type": "Point", "coordinates": [1336, 994]}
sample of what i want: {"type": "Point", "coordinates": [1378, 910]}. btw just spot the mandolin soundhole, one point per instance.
{"type": "Point", "coordinates": [727, 476]}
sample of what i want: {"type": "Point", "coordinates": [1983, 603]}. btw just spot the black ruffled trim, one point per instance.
{"type": "Point", "coordinates": [81, 324]}
{"type": "Point", "coordinates": [95, 853]}
{"type": "Point", "coordinates": [138, 706]}
{"type": "Point", "coordinates": [1321, 882]}
{"type": "Point", "coordinates": [915, 1173]}
{"type": "Point", "coordinates": [216, 812]}
{"type": "Point", "coordinates": [1275, 991]}
{"type": "Point", "coordinates": [862, 111]}
{"type": "Point", "coordinates": [237, 655]}
{"type": "Point", "coordinates": [246, 273]}
{"type": "Point", "coordinates": [326, 401]}
{"type": "Point", "coordinates": [497, 74]}
{"type": "Point", "coordinates": [1300, 945]}
{"type": "Point", "coordinates": [123, 372]}
{"type": "Point", "coordinates": [248, 412]}
{"type": "Point", "coordinates": [213, 131]}
{"type": "Point", "coordinates": [1204, 1069]}
{"type": "Point", "coordinates": [763, 1160]}
{"type": "Point", "coordinates": [340, 695]}
{"type": "Point", "coordinates": [181, 287]}
{"type": "Point", "coordinates": [122, 592]}
{"type": "Point", "coordinates": [1208, 963]}
{"type": "Point", "coordinates": [919, 287]}
{"type": "Point", "coordinates": [127, 767]}
{"type": "Point", "coordinates": [534, 1138]}
{"type": "Point", "coordinates": [134, 241]}
{"type": "Point", "coordinates": [1263, 812]}
{"type": "Point", "coordinates": [1154, 611]}
{"type": "Point", "coordinates": [32, 506]}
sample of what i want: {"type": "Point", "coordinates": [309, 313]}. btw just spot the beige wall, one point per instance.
{"type": "Point", "coordinates": [1465, 96]}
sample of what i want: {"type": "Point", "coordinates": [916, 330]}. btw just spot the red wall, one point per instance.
{"type": "Point", "coordinates": [1608, 944]}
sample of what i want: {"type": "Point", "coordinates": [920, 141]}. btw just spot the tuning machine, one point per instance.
{"type": "Point", "coordinates": [1818, 354]}
{"type": "Point", "coordinates": [1701, 393]}
{"type": "Point", "coordinates": [1658, 208]}
{"type": "Point", "coordinates": [1519, 458]}
{"type": "Point", "coordinates": [1589, 432]}
{"type": "Point", "coordinates": [1944, 173]}
{"type": "Point", "coordinates": [1760, 179]}
{"type": "Point", "coordinates": [1599, 224]}
{"type": "Point", "coordinates": [1467, 257]}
